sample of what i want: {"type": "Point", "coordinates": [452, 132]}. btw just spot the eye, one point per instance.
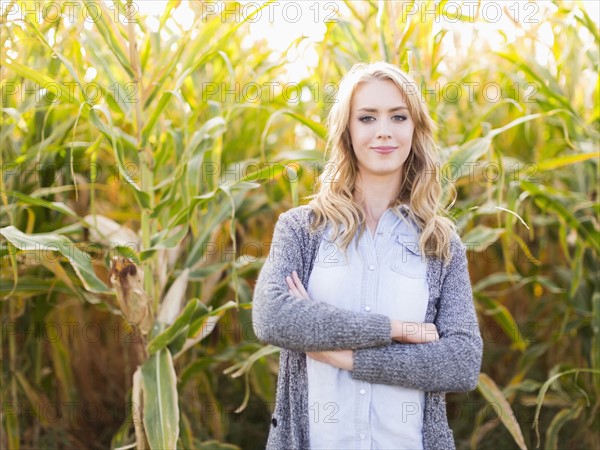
{"type": "Point", "coordinates": [399, 117]}
{"type": "Point", "coordinates": [366, 118]}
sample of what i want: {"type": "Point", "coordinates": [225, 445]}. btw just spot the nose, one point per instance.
{"type": "Point", "coordinates": [383, 130]}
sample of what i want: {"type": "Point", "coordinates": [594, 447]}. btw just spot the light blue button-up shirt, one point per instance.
{"type": "Point", "coordinates": [385, 274]}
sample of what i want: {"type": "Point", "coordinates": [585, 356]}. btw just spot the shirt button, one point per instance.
{"type": "Point", "coordinates": [367, 308]}
{"type": "Point", "coordinates": [371, 267]}
{"type": "Point", "coordinates": [363, 435]}
{"type": "Point", "coordinates": [362, 392]}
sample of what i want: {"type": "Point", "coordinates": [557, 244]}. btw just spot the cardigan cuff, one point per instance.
{"type": "Point", "coordinates": [377, 330]}
{"type": "Point", "coordinates": [367, 367]}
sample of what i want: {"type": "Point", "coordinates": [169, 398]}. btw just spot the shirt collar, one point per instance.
{"type": "Point", "coordinates": [396, 219]}
{"type": "Point", "coordinates": [405, 223]}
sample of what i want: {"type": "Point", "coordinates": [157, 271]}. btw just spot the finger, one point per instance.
{"type": "Point", "coordinates": [299, 284]}
{"type": "Point", "coordinates": [297, 279]}
{"type": "Point", "coordinates": [432, 334]}
{"type": "Point", "coordinates": [292, 287]}
{"type": "Point", "coordinates": [289, 282]}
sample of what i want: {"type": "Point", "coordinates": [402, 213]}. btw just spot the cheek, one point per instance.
{"type": "Point", "coordinates": [349, 134]}
{"type": "Point", "coordinates": [359, 136]}
{"type": "Point", "coordinates": [353, 134]}
{"type": "Point", "coordinates": [406, 136]}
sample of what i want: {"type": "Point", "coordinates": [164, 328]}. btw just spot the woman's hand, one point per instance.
{"type": "Point", "coordinates": [342, 359]}
{"type": "Point", "coordinates": [414, 332]}
{"type": "Point", "coordinates": [296, 287]}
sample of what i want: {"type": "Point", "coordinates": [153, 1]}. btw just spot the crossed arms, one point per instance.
{"type": "Point", "coordinates": [442, 356]}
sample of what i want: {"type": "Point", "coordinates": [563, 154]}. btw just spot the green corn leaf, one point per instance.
{"type": "Point", "coordinates": [461, 160]}
{"type": "Point", "coordinates": [161, 408]}
{"type": "Point", "coordinates": [162, 104]}
{"type": "Point", "coordinates": [546, 200]}
{"type": "Point", "coordinates": [554, 163]}
{"type": "Point", "coordinates": [41, 79]}
{"type": "Point", "coordinates": [107, 30]}
{"type": "Point", "coordinates": [481, 237]}
{"type": "Point", "coordinates": [168, 238]}
{"type": "Point", "coordinates": [36, 397]}
{"type": "Point", "coordinates": [11, 426]}
{"type": "Point", "coordinates": [564, 415]}
{"type": "Point", "coordinates": [544, 389]}
{"type": "Point", "coordinates": [517, 281]}
{"type": "Point", "coordinates": [490, 391]}
{"type": "Point", "coordinates": [42, 243]}
{"type": "Point", "coordinates": [198, 326]}
{"type": "Point", "coordinates": [55, 206]}
{"type": "Point", "coordinates": [142, 197]}
{"type": "Point", "coordinates": [496, 131]}
{"type": "Point", "coordinates": [180, 325]}
{"type": "Point", "coordinates": [505, 320]}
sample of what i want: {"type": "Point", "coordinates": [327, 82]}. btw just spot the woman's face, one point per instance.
{"type": "Point", "coordinates": [381, 129]}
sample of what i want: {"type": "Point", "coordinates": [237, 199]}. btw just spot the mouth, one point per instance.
{"type": "Point", "coordinates": [384, 149]}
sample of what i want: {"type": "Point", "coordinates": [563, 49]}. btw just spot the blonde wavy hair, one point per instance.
{"type": "Point", "coordinates": [334, 200]}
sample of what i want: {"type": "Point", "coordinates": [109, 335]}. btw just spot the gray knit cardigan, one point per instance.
{"type": "Point", "coordinates": [296, 325]}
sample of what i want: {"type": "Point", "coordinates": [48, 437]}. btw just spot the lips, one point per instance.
{"type": "Point", "coordinates": [384, 149]}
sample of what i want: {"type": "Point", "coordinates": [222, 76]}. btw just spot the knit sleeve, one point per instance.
{"type": "Point", "coordinates": [286, 321]}
{"type": "Point", "coordinates": [452, 363]}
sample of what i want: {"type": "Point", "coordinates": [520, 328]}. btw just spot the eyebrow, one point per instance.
{"type": "Point", "coordinates": [397, 108]}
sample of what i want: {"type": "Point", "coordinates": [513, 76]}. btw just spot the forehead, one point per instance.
{"type": "Point", "coordinates": [375, 93]}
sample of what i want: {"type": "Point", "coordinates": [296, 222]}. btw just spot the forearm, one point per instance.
{"type": "Point", "coordinates": [307, 325]}
{"type": "Point", "coordinates": [341, 323]}
{"type": "Point", "coordinates": [448, 365]}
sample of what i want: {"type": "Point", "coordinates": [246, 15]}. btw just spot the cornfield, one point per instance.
{"type": "Point", "coordinates": [145, 162]}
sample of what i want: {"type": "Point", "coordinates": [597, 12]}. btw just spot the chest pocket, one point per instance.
{"type": "Point", "coordinates": [406, 259]}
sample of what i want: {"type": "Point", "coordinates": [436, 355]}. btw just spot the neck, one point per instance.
{"type": "Point", "coordinates": [375, 194]}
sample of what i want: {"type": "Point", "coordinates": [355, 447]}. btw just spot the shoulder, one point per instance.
{"type": "Point", "coordinates": [453, 243]}
{"type": "Point", "coordinates": [297, 214]}
{"type": "Point", "coordinates": [297, 221]}
{"type": "Point", "coordinates": [298, 218]}
{"type": "Point", "coordinates": [458, 256]}
{"type": "Point", "coordinates": [456, 243]}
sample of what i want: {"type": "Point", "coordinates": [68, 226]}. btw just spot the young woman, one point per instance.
{"type": "Point", "coordinates": [366, 289]}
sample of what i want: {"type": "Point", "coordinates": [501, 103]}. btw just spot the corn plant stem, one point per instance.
{"type": "Point", "coordinates": [146, 164]}
{"type": "Point", "coordinates": [2, 305]}
{"type": "Point", "coordinates": [147, 181]}
{"type": "Point", "coordinates": [93, 175]}
{"type": "Point", "coordinates": [12, 355]}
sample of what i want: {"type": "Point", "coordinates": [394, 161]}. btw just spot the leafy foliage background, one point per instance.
{"type": "Point", "coordinates": [138, 204]}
